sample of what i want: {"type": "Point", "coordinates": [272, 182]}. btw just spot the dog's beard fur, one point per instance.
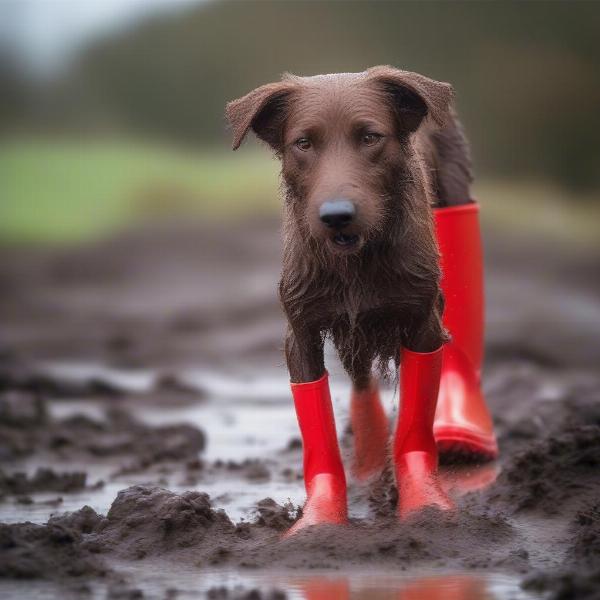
{"type": "Point", "coordinates": [396, 268]}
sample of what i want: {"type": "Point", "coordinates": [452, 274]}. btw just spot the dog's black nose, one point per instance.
{"type": "Point", "coordinates": [337, 214]}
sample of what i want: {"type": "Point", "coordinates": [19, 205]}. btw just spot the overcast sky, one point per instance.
{"type": "Point", "coordinates": [45, 33]}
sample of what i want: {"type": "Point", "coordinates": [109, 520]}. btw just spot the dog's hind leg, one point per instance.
{"type": "Point", "coordinates": [370, 429]}
{"type": "Point", "coordinates": [463, 425]}
{"type": "Point", "coordinates": [324, 476]}
{"type": "Point", "coordinates": [453, 174]}
{"type": "Point", "coordinates": [368, 420]}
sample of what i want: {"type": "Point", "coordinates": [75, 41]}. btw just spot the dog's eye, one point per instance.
{"type": "Point", "coordinates": [303, 143]}
{"type": "Point", "coordinates": [370, 139]}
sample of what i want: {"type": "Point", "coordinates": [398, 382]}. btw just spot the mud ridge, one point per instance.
{"type": "Point", "coordinates": [26, 428]}
{"type": "Point", "coordinates": [52, 551]}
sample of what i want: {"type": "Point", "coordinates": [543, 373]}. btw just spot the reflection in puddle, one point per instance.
{"type": "Point", "coordinates": [327, 585]}
{"type": "Point", "coordinates": [192, 584]}
{"type": "Point", "coordinates": [440, 587]}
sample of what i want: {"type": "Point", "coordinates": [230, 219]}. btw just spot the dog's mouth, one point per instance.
{"type": "Point", "coordinates": [345, 242]}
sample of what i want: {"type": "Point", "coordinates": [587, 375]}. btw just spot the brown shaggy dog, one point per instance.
{"type": "Point", "coordinates": [364, 157]}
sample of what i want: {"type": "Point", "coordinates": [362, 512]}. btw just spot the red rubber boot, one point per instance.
{"type": "Point", "coordinates": [324, 476]}
{"type": "Point", "coordinates": [415, 451]}
{"type": "Point", "coordinates": [371, 432]}
{"type": "Point", "coordinates": [463, 423]}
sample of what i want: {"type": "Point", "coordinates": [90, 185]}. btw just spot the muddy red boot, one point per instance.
{"type": "Point", "coordinates": [463, 423]}
{"type": "Point", "coordinates": [371, 432]}
{"type": "Point", "coordinates": [415, 451]}
{"type": "Point", "coordinates": [323, 470]}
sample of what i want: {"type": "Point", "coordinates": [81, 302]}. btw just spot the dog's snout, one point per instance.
{"type": "Point", "coordinates": [337, 214]}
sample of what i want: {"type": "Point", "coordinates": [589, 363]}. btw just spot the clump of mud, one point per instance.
{"type": "Point", "coordinates": [275, 516]}
{"type": "Point", "coordinates": [560, 469]}
{"type": "Point", "coordinates": [44, 480]}
{"type": "Point", "coordinates": [26, 428]}
{"type": "Point", "coordinates": [23, 379]}
{"type": "Point", "coordinates": [21, 414]}
{"type": "Point", "coordinates": [581, 580]}
{"type": "Point", "coordinates": [151, 521]}
{"type": "Point", "coordinates": [55, 550]}
{"type": "Point", "coordinates": [22, 409]}
{"type": "Point", "coordinates": [252, 469]}
{"type": "Point", "coordinates": [148, 522]}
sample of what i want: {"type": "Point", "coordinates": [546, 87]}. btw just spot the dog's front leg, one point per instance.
{"type": "Point", "coordinates": [415, 452]}
{"type": "Point", "coordinates": [304, 353]}
{"type": "Point", "coordinates": [324, 477]}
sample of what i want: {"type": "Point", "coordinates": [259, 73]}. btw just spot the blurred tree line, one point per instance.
{"type": "Point", "coordinates": [527, 74]}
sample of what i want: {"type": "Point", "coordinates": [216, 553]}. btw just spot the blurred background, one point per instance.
{"type": "Point", "coordinates": [139, 256]}
{"type": "Point", "coordinates": [131, 234]}
{"type": "Point", "coordinates": [111, 111]}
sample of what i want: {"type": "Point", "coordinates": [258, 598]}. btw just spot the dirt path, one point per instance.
{"type": "Point", "coordinates": [143, 378]}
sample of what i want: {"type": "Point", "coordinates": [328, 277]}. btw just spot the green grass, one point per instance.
{"type": "Point", "coordinates": [540, 209]}
{"type": "Point", "coordinates": [61, 191]}
{"type": "Point", "coordinates": [72, 190]}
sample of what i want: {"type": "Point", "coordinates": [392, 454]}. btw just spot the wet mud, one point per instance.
{"type": "Point", "coordinates": [144, 415]}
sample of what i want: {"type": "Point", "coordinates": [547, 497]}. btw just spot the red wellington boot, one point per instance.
{"type": "Point", "coordinates": [462, 422]}
{"type": "Point", "coordinates": [323, 470]}
{"type": "Point", "coordinates": [415, 451]}
{"type": "Point", "coordinates": [371, 432]}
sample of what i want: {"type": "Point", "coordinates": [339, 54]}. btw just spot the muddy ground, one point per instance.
{"type": "Point", "coordinates": [148, 446]}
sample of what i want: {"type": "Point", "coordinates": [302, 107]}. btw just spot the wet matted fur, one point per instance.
{"type": "Point", "coordinates": [389, 141]}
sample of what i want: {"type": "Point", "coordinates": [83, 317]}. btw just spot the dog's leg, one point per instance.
{"type": "Point", "coordinates": [415, 452]}
{"type": "Point", "coordinates": [368, 421]}
{"type": "Point", "coordinates": [304, 354]}
{"type": "Point", "coordinates": [323, 469]}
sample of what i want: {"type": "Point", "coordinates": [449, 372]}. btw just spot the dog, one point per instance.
{"type": "Point", "coordinates": [365, 157]}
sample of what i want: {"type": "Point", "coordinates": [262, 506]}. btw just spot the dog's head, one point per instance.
{"type": "Point", "coordinates": [344, 144]}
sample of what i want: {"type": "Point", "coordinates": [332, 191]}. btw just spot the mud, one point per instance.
{"type": "Point", "coordinates": [43, 480]}
{"type": "Point", "coordinates": [26, 428]}
{"type": "Point", "coordinates": [239, 593]}
{"type": "Point", "coordinates": [143, 380]}
{"type": "Point", "coordinates": [54, 550]}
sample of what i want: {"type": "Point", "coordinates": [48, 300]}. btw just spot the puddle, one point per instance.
{"type": "Point", "coordinates": [244, 418]}
{"type": "Point", "coordinates": [193, 584]}
{"type": "Point", "coordinates": [357, 585]}
{"type": "Point", "coordinates": [75, 373]}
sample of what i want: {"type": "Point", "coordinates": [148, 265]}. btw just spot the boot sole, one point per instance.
{"type": "Point", "coordinates": [463, 445]}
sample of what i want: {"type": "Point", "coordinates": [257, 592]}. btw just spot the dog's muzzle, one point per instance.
{"type": "Point", "coordinates": [338, 215]}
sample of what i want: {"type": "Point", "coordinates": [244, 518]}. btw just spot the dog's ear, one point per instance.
{"type": "Point", "coordinates": [263, 110]}
{"type": "Point", "coordinates": [414, 96]}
